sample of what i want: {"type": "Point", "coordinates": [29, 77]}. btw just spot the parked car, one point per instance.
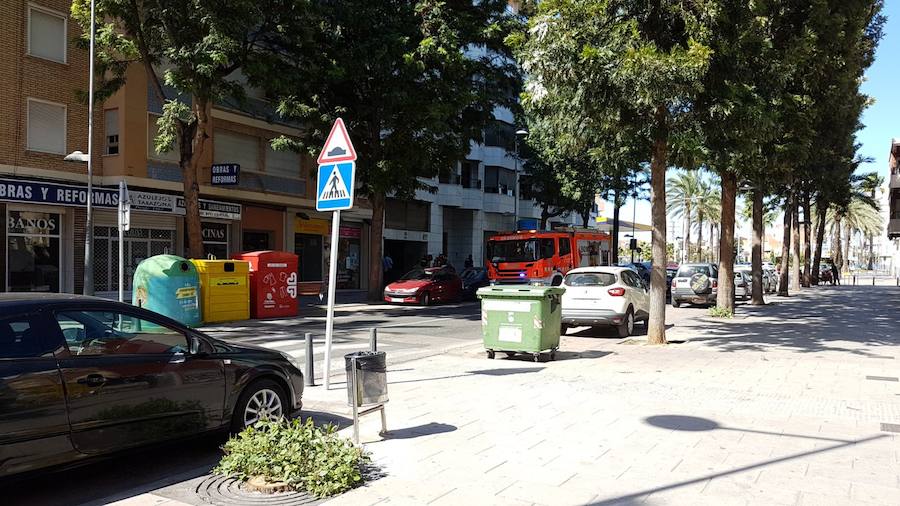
{"type": "Point", "coordinates": [671, 270]}
{"type": "Point", "coordinates": [473, 278]}
{"type": "Point", "coordinates": [825, 274]}
{"type": "Point", "coordinates": [83, 377]}
{"type": "Point", "coordinates": [742, 284]}
{"type": "Point", "coordinates": [695, 284]}
{"type": "Point", "coordinates": [641, 268]}
{"type": "Point", "coordinates": [425, 286]}
{"type": "Point", "coordinates": [598, 296]}
{"type": "Point", "coordinates": [769, 281]}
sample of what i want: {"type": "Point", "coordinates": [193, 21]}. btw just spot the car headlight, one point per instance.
{"type": "Point", "coordinates": [406, 291]}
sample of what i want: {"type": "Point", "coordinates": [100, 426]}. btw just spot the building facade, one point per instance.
{"type": "Point", "coordinates": [43, 198]}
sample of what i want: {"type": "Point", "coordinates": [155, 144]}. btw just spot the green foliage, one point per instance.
{"type": "Point", "coordinates": [305, 457]}
{"type": "Point", "coordinates": [720, 312]}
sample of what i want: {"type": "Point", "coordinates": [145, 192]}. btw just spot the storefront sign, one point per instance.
{"type": "Point", "coordinates": [29, 223]}
{"type": "Point", "coordinates": [350, 232]}
{"type": "Point", "coordinates": [214, 232]}
{"type": "Point", "coordinates": [224, 174]}
{"type": "Point", "coordinates": [315, 227]}
{"type": "Point", "coordinates": [39, 192]}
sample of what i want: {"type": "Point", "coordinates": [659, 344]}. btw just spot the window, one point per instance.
{"type": "Point", "coordinates": [32, 251]}
{"type": "Point", "coordinates": [590, 279]}
{"type": "Point", "coordinates": [46, 34]}
{"type": "Point", "coordinates": [171, 155]}
{"type": "Point", "coordinates": [18, 339]}
{"type": "Point", "coordinates": [548, 248]}
{"type": "Point", "coordinates": [256, 241]}
{"type": "Point", "coordinates": [140, 243]}
{"type": "Point", "coordinates": [631, 279]}
{"type": "Point", "coordinates": [232, 147]}
{"type": "Point", "coordinates": [469, 177]}
{"type": "Point", "coordinates": [46, 127]}
{"type": "Point", "coordinates": [111, 121]}
{"type": "Point", "coordinates": [565, 247]}
{"type": "Point", "coordinates": [112, 333]}
{"type": "Point", "coordinates": [492, 179]}
{"type": "Point", "coordinates": [500, 134]}
{"type": "Point", "coordinates": [407, 215]}
{"type": "Point", "coordinates": [282, 163]}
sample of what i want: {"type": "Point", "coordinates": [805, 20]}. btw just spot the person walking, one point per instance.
{"type": "Point", "coordinates": [835, 275]}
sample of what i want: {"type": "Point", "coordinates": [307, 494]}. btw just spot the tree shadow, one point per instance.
{"type": "Point", "coordinates": [427, 429]}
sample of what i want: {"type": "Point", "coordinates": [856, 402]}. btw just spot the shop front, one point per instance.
{"type": "Point", "coordinates": [349, 256]}
{"type": "Point", "coordinates": [33, 250]}
{"type": "Point", "coordinates": [310, 236]}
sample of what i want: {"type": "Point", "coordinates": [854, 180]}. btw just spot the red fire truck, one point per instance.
{"type": "Point", "coordinates": [544, 257]}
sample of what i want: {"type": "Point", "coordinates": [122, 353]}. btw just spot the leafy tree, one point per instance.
{"type": "Point", "coordinates": [191, 53]}
{"type": "Point", "coordinates": [608, 72]}
{"type": "Point", "coordinates": [416, 82]}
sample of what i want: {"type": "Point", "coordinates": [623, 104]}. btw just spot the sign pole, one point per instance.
{"type": "Point", "coordinates": [332, 282]}
{"type": "Point", "coordinates": [124, 224]}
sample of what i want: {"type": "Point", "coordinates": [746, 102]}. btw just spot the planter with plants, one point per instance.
{"type": "Point", "coordinates": [278, 455]}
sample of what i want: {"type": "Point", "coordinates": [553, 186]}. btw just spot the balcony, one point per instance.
{"type": "Point", "coordinates": [893, 228]}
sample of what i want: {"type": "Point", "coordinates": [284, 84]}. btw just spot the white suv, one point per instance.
{"type": "Point", "coordinates": [604, 296]}
{"type": "Point", "coordinates": [695, 284]}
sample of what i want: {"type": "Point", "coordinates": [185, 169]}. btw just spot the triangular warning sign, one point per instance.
{"type": "Point", "coordinates": [338, 147]}
{"type": "Point", "coordinates": [335, 187]}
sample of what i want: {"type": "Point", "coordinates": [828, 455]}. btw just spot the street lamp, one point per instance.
{"type": "Point", "coordinates": [519, 133]}
{"type": "Point", "coordinates": [78, 156]}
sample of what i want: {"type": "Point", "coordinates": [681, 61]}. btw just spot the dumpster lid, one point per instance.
{"type": "Point", "coordinates": [519, 291]}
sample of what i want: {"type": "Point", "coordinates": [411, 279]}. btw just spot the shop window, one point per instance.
{"type": "Point", "coordinates": [140, 243]}
{"type": "Point", "coordinates": [46, 127]}
{"type": "Point", "coordinates": [46, 34]}
{"type": "Point", "coordinates": [215, 239]}
{"type": "Point", "coordinates": [171, 155]}
{"type": "Point", "coordinates": [33, 251]}
{"type": "Point", "coordinates": [111, 122]}
{"type": "Point", "coordinates": [256, 241]}
{"type": "Point", "coordinates": [349, 258]}
{"type": "Point", "coordinates": [232, 147]}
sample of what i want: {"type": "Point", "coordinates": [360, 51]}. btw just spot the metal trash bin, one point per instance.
{"type": "Point", "coordinates": [371, 377]}
{"type": "Point", "coordinates": [521, 319]}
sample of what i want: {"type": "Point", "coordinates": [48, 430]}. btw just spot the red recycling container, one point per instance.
{"type": "Point", "coordinates": [273, 283]}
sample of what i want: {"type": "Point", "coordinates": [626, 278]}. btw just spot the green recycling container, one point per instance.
{"type": "Point", "coordinates": [170, 286]}
{"type": "Point", "coordinates": [521, 319]}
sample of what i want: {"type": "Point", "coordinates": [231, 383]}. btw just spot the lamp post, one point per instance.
{"type": "Point", "coordinates": [78, 156]}
{"type": "Point", "coordinates": [522, 133]}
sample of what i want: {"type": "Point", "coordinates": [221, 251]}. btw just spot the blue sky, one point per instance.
{"type": "Point", "coordinates": [883, 84]}
{"type": "Point", "coordinates": [881, 119]}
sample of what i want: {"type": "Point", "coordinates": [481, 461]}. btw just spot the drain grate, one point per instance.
{"type": "Point", "coordinates": [883, 378]}
{"type": "Point", "coordinates": [890, 427]}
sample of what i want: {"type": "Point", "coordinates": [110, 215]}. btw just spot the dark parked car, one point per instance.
{"type": "Point", "coordinates": [81, 376]}
{"type": "Point", "coordinates": [474, 278]}
{"type": "Point", "coordinates": [424, 286]}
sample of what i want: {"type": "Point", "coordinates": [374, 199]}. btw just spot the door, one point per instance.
{"type": "Point", "coordinates": [637, 293]}
{"type": "Point", "coordinates": [34, 429]}
{"type": "Point", "coordinates": [131, 380]}
{"type": "Point", "coordinates": [309, 249]}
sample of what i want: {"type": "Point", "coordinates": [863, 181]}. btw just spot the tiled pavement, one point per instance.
{"type": "Point", "coordinates": [784, 404]}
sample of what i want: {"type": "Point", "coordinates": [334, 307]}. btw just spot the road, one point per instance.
{"type": "Point", "coordinates": [405, 333]}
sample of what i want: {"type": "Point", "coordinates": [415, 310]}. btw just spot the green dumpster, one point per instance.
{"type": "Point", "coordinates": [521, 319]}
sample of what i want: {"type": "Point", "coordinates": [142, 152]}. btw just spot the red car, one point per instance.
{"type": "Point", "coordinates": [424, 286]}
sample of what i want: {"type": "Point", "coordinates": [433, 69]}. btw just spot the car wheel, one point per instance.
{"type": "Point", "coordinates": [676, 303]}
{"type": "Point", "coordinates": [426, 299]}
{"type": "Point", "coordinates": [260, 400]}
{"type": "Point", "coordinates": [627, 326]}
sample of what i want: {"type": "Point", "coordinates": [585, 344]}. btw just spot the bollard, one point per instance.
{"type": "Point", "coordinates": [854, 280]}
{"type": "Point", "coordinates": [873, 280]}
{"type": "Point", "coordinates": [373, 339]}
{"type": "Point", "coordinates": [309, 377]}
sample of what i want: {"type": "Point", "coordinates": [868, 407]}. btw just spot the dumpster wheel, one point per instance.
{"type": "Point", "coordinates": [510, 354]}
{"type": "Point", "coordinates": [553, 354]}
{"type": "Point", "coordinates": [537, 357]}
{"type": "Point", "coordinates": [490, 354]}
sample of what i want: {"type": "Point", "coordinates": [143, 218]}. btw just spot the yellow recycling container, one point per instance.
{"type": "Point", "coordinates": [224, 289]}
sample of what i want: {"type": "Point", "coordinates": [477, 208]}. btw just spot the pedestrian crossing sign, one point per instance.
{"type": "Point", "coordinates": [336, 185]}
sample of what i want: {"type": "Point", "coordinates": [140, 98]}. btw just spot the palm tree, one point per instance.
{"type": "Point", "coordinates": [872, 183]}
{"type": "Point", "coordinates": [681, 194]}
{"type": "Point", "coordinates": [859, 211]}
{"type": "Point", "coordinates": [709, 208]}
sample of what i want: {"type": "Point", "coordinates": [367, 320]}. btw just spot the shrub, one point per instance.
{"type": "Point", "coordinates": [720, 312]}
{"type": "Point", "coordinates": [303, 456]}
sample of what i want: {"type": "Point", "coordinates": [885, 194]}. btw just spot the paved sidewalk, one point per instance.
{"type": "Point", "coordinates": [790, 403]}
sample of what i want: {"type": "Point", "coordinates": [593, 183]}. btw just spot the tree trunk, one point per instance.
{"type": "Point", "coordinates": [847, 234]}
{"type": "Point", "coordinates": [821, 211]}
{"type": "Point", "coordinates": [807, 236]}
{"type": "Point", "coordinates": [785, 249]}
{"type": "Point", "coordinates": [193, 137]}
{"type": "Point", "coordinates": [757, 295]}
{"type": "Point", "coordinates": [725, 298]}
{"type": "Point", "coordinates": [837, 257]}
{"type": "Point", "coordinates": [700, 236]}
{"type": "Point", "coordinates": [615, 230]}
{"type": "Point", "coordinates": [376, 244]}
{"type": "Point", "coordinates": [795, 240]}
{"type": "Point", "coordinates": [656, 327]}
{"type": "Point", "coordinates": [687, 231]}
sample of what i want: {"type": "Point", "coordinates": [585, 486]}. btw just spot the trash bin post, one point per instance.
{"type": "Point", "coordinates": [373, 340]}
{"type": "Point", "coordinates": [366, 388]}
{"type": "Point", "coordinates": [310, 379]}
{"type": "Point", "coordinates": [355, 389]}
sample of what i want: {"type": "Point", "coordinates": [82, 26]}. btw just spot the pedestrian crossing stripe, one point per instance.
{"type": "Point", "coordinates": [335, 186]}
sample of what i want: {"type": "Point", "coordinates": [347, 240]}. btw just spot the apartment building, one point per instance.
{"type": "Point", "coordinates": [43, 197]}
{"type": "Point", "coordinates": [893, 228]}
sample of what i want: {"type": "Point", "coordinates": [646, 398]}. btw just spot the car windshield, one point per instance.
{"type": "Point", "coordinates": [524, 250]}
{"type": "Point", "coordinates": [590, 279]}
{"type": "Point", "coordinates": [417, 274]}
{"type": "Point", "coordinates": [472, 273]}
{"type": "Point", "coordinates": [689, 270]}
